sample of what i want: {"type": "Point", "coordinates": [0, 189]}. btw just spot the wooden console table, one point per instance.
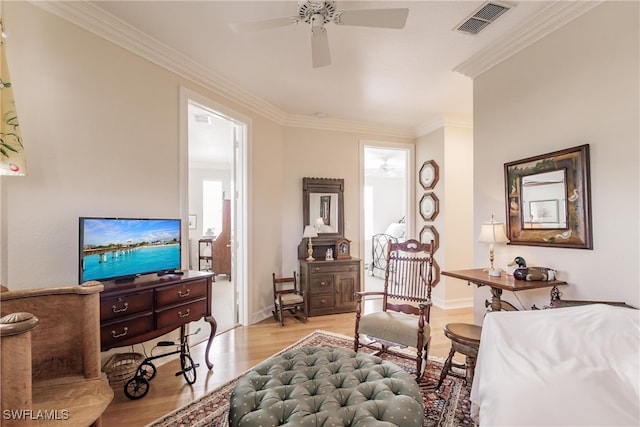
{"type": "Point", "coordinates": [151, 306]}
{"type": "Point", "coordinates": [480, 277]}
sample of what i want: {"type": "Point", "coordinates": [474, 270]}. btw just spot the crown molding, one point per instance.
{"type": "Point", "coordinates": [443, 120]}
{"type": "Point", "coordinates": [543, 23]}
{"type": "Point", "coordinates": [93, 19]}
{"type": "Point", "coordinates": [340, 125]}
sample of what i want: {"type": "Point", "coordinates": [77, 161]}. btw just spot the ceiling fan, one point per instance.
{"type": "Point", "coordinates": [319, 13]}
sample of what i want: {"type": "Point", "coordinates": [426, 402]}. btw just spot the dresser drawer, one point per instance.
{"type": "Point", "coordinates": [322, 301]}
{"type": "Point", "coordinates": [114, 332]}
{"type": "Point", "coordinates": [125, 305]}
{"type": "Point", "coordinates": [321, 284]}
{"type": "Point", "coordinates": [181, 314]}
{"type": "Point", "coordinates": [178, 293]}
{"type": "Point", "coordinates": [333, 268]}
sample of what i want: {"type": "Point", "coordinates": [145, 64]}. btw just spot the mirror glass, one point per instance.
{"type": "Point", "coordinates": [544, 202]}
{"type": "Point", "coordinates": [323, 212]}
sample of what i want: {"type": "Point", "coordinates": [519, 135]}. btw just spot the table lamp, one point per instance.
{"type": "Point", "coordinates": [492, 232]}
{"type": "Point", "coordinates": [309, 232]}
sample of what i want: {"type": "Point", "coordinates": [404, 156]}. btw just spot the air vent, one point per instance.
{"type": "Point", "coordinates": [482, 17]}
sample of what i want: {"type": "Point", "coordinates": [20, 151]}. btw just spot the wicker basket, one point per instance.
{"type": "Point", "coordinates": [121, 367]}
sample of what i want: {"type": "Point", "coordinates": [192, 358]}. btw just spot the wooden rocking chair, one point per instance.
{"type": "Point", "coordinates": [287, 297]}
{"type": "Point", "coordinates": [406, 303]}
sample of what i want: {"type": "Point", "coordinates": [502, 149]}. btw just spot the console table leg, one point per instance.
{"type": "Point", "coordinates": [496, 300]}
{"type": "Point", "coordinates": [214, 328]}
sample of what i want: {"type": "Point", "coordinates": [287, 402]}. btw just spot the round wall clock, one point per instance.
{"type": "Point", "coordinates": [429, 206]}
{"type": "Point", "coordinates": [428, 176]}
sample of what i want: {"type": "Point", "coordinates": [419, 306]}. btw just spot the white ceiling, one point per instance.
{"type": "Point", "coordinates": [398, 81]}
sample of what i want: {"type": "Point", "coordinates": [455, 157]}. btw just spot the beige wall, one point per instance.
{"type": "Point", "coordinates": [577, 86]}
{"type": "Point", "coordinates": [323, 154]}
{"type": "Point", "coordinates": [452, 149]}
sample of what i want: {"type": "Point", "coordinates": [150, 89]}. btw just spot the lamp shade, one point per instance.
{"type": "Point", "coordinates": [309, 231]}
{"type": "Point", "coordinates": [492, 232]}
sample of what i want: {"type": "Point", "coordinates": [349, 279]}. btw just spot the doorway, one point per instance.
{"type": "Point", "coordinates": [213, 193]}
{"type": "Point", "coordinates": [387, 200]}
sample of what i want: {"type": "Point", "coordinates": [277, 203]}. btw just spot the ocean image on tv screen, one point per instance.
{"type": "Point", "coordinates": [127, 247]}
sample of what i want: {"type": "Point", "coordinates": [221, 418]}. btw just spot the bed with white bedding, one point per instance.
{"type": "Point", "coordinates": [574, 366]}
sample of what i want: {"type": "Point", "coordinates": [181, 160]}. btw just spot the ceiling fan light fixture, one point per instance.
{"type": "Point", "coordinates": [319, 12]}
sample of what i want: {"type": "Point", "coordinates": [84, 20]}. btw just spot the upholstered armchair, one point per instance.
{"type": "Point", "coordinates": [406, 304]}
{"type": "Point", "coordinates": [50, 362]}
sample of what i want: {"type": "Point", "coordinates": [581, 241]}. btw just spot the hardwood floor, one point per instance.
{"type": "Point", "coordinates": [239, 349]}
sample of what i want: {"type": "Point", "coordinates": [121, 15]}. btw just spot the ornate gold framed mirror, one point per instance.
{"type": "Point", "coordinates": [548, 199]}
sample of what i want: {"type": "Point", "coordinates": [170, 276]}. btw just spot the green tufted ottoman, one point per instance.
{"type": "Point", "coordinates": [324, 386]}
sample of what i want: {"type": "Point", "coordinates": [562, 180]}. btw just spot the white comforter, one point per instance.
{"type": "Point", "coordinates": [576, 366]}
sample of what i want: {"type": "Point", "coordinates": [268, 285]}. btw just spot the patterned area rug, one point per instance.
{"type": "Point", "coordinates": [447, 407]}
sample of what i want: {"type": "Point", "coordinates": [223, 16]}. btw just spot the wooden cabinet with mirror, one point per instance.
{"type": "Point", "coordinates": [329, 285]}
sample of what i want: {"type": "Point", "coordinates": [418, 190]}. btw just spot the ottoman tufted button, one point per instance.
{"type": "Point", "coordinates": [326, 387]}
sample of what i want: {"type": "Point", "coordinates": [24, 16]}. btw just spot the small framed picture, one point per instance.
{"type": "Point", "coordinates": [193, 222]}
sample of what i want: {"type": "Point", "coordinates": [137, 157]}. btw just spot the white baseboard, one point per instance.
{"type": "Point", "coordinates": [453, 303]}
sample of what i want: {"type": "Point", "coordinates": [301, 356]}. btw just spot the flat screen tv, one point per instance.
{"type": "Point", "coordinates": [122, 249]}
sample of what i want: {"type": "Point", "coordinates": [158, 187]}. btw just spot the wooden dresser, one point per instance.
{"type": "Point", "coordinates": [329, 286]}
{"type": "Point", "coordinates": [151, 306]}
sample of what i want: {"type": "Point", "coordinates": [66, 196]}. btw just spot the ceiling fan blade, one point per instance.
{"type": "Point", "coordinates": [383, 18]}
{"type": "Point", "coordinates": [263, 25]}
{"type": "Point", "coordinates": [320, 54]}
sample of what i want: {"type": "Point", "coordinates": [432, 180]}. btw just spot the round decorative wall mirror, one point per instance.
{"type": "Point", "coordinates": [429, 233]}
{"type": "Point", "coordinates": [429, 206]}
{"type": "Point", "coordinates": [429, 175]}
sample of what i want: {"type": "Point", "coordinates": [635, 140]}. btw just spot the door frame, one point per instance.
{"type": "Point", "coordinates": [240, 215]}
{"type": "Point", "coordinates": [410, 185]}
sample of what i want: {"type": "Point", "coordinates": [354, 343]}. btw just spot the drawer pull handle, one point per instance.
{"type": "Point", "coordinates": [125, 330]}
{"type": "Point", "coordinates": [323, 283]}
{"type": "Point", "coordinates": [186, 294]}
{"type": "Point", "coordinates": [120, 310]}
{"type": "Point", "coordinates": [185, 314]}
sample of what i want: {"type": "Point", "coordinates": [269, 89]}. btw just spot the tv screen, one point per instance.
{"type": "Point", "coordinates": [124, 248]}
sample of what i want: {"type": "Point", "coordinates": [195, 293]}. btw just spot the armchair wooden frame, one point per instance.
{"type": "Point", "coordinates": [287, 297]}
{"type": "Point", "coordinates": [51, 356]}
{"type": "Point", "coordinates": [406, 303]}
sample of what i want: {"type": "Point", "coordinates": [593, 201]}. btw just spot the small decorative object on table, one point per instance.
{"type": "Point", "coordinates": [343, 248]}
{"type": "Point", "coordinates": [518, 262]}
{"type": "Point", "coordinates": [329, 255]}
{"type": "Point", "coordinates": [531, 274]}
